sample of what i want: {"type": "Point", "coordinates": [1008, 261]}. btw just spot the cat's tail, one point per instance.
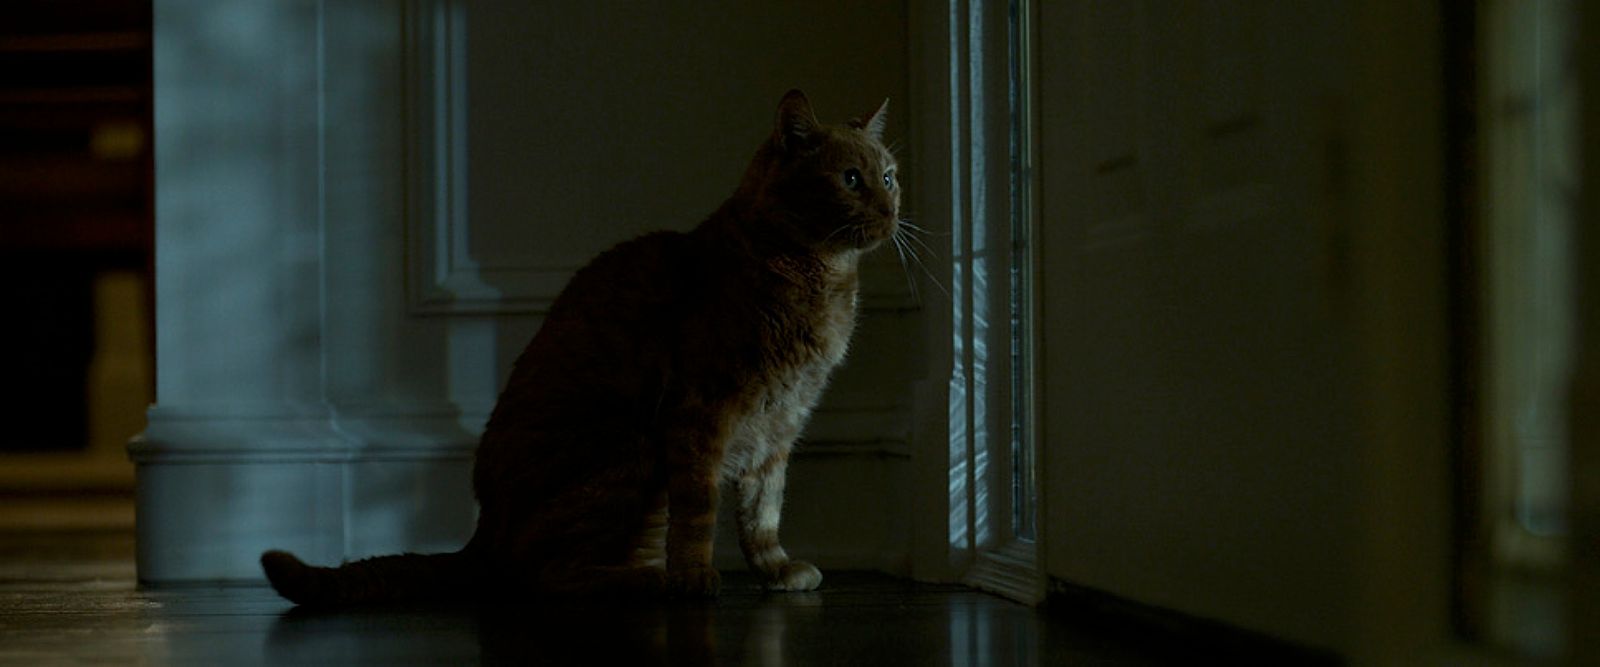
{"type": "Point", "coordinates": [397, 578]}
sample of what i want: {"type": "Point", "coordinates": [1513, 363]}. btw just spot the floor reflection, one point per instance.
{"type": "Point", "coordinates": [502, 634]}
{"type": "Point", "coordinates": [872, 625]}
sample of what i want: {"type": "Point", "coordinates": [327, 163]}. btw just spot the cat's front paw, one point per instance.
{"type": "Point", "coordinates": [701, 582]}
{"type": "Point", "coordinates": [796, 575]}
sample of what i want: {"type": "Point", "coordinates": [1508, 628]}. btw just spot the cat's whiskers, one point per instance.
{"type": "Point", "coordinates": [920, 229]}
{"type": "Point", "coordinates": [912, 232]}
{"type": "Point", "coordinates": [911, 283]}
{"type": "Point", "coordinates": [917, 259]}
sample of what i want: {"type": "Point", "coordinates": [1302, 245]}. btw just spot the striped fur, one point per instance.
{"type": "Point", "coordinates": [669, 365]}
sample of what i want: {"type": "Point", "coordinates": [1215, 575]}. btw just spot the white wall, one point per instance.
{"type": "Point", "coordinates": [1243, 311]}
{"type": "Point", "coordinates": [364, 207]}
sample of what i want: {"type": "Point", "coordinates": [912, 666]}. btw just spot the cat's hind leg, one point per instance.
{"type": "Point", "coordinates": [692, 443]}
{"type": "Point", "coordinates": [602, 536]}
{"type": "Point", "coordinates": [650, 546]}
{"type": "Point", "coordinates": [643, 572]}
{"type": "Point", "coordinates": [691, 526]}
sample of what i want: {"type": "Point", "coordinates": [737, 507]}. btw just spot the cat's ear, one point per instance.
{"type": "Point", "coordinates": [875, 123]}
{"type": "Point", "coordinates": [797, 125]}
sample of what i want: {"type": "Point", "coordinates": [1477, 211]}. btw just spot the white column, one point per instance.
{"type": "Point", "coordinates": [278, 256]}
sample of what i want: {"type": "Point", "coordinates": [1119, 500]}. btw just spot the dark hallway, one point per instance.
{"type": "Point", "coordinates": [1228, 331]}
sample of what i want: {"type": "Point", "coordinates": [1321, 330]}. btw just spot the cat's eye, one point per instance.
{"type": "Point", "coordinates": [852, 178]}
{"type": "Point", "coordinates": [888, 179]}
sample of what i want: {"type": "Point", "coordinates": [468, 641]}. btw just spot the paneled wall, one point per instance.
{"type": "Point", "coordinates": [364, 208]}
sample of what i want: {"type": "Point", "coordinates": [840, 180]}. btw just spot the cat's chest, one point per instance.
{"type": "Point", "coordinates": [803, 353]}
{"type": "Point", "coordinates": [832, 328]}
{"type": "Point", "coordinates": [781, 402]}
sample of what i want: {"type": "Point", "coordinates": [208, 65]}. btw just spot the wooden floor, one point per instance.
{"type": "Point", "coordinates": [71, 598]}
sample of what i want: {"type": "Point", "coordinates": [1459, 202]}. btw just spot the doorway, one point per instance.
{"type": "Point", "coordinates": [75, 251]}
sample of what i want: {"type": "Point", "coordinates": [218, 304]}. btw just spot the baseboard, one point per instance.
{"type": "Point", "coordinates": [1186, 638]}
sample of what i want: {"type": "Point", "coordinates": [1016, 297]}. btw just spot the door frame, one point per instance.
{"type": "Point", "coordinates": [974, 142]}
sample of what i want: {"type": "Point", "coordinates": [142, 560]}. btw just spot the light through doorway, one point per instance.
{"type": "Point", "coordinates": [993, 487]}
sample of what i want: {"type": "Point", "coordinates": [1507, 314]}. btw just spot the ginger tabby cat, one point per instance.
{"type": "Point", "coordinates": [668, 365]}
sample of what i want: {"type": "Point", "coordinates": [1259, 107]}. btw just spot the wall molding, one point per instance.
{"type": "Point", "coordinates": [441, 277]}
{"type": "Point", "coordinates": [245, 433]}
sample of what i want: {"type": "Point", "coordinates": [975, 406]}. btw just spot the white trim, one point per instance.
{"type": "Point", "coordinates": [1011, 571]}
{"type": "Point", "coordinates": [260, 433]}
{"type": "Point", "coordinates": [440, 278]}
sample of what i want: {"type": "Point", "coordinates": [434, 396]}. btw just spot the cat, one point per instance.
{"type": "Point", "coordinates": [668, 365]}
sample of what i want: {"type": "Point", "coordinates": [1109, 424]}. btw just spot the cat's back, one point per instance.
{"type": "Point", "coordinates": [614, 310]}
{"type": "Point", "coordinates": [643, 270]}
{"type": "Point", "coordinates": [598, 359]}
